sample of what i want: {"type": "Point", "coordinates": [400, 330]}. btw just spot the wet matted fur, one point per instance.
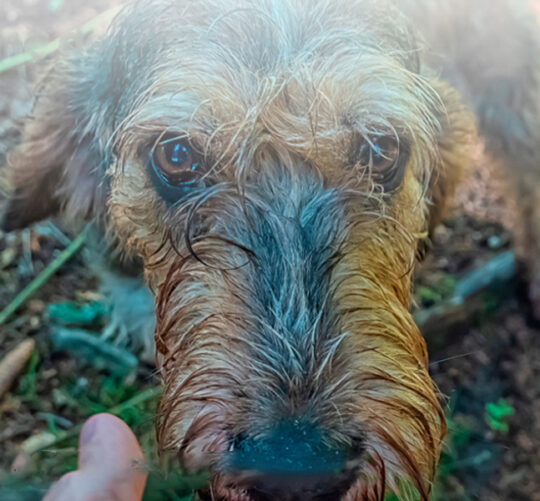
{"type": "Point", "coordinates": [291, 366]}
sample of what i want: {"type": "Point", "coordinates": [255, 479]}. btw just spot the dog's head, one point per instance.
{"type": "Point", "coordinates": [269, 161]}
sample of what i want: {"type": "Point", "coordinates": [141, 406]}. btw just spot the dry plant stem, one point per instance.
{"type": "Point", "coordinates": [42, 278]}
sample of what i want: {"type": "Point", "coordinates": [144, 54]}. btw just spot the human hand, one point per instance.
{"type": "Point", "coordinates": [111, 465]}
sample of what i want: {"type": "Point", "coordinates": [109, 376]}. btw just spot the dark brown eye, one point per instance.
{"type": "Point", "coordinates": [380, 154]}
{"type": "Point", "coordinates": [385, 157]}
{"type": "Point", "coordinates": [176, 168]}
{"type": "Point", "coordinates": [175, 160]}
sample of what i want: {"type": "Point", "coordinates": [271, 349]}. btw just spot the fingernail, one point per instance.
{"type": "Point", "coordinates": [88, 431]}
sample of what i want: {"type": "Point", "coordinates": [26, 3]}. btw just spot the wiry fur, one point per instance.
{"type": "Point", "coordinates": [283, 286]}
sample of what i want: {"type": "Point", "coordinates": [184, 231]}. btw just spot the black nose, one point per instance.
{"type": "Point", "coordinates": [292, 461]}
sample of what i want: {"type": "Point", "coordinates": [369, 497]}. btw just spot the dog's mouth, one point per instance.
{"type": "Point", "coordinates": [278, 488]}
{"type": "Point", "coordinates": [239, 495]}
{"type": "Point", "coordinates": [256, 495]}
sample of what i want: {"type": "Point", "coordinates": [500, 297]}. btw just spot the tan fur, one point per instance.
{"type": "Point", "coordinates": [282, 288]}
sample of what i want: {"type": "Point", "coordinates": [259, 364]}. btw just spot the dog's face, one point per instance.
{"type": "Point", "coordinates": [269, 163]}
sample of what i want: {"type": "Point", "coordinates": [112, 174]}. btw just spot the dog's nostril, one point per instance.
{"type": "Point", "coordinates": [291, 447]}
{"type": "Point", "coordinates": [294, 459]}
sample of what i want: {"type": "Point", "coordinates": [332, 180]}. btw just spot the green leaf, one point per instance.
{"type": "Point", "coordinates": [73, 314]}
{"type": "Point", "coordinates": [498, 415]}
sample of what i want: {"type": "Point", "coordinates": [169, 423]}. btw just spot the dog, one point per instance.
{"type": "Point", "coordinates": [273, 167]}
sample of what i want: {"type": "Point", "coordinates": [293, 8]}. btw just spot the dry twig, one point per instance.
{"type": "Point", "coordinates": [13, 363]}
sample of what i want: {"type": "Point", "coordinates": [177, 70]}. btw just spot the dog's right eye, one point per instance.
{"type": "Point", "coordinates": [176, 168]}
{"type": "Point", "coordinates": [385, 157]}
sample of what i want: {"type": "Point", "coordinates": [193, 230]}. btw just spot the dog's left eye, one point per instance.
{"type": "Point", "coordinates": [176, 168]}
{"type": "Point", "coordinates": [385, 157]}
{"type": "Point", "coordinates": [175, 161]}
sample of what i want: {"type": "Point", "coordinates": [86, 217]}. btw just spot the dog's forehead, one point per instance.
{"type": "Point", "coordinates": [288, 26]}
{"type": "Point", "coordinates": [204, 65]}
{"type": "Point", "coordinates": [257, 37]}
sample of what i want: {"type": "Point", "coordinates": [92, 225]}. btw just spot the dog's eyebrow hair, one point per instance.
{"type": "Point", "coordinates": [238, 10]}
{"type": "Point", "coordinates": [279, 281]}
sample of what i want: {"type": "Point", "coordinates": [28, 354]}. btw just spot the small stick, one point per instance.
{"type": "Point", "coordinates": [441, 324]}
{"type": "Point", "coordinates": [13, 363]}
{"type": "Point", "coordinates": [42, 278]}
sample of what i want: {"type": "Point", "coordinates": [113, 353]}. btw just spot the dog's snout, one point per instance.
{"type": "Point", "coordinates": [292, 459]}
{"type": "Point", "coordinates": [289, 448]}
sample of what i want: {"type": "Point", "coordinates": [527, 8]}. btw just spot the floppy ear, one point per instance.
{"type": "Point", "coordinates": [59, 165]}
{"type": "Point", "coordinates": [456, 140]}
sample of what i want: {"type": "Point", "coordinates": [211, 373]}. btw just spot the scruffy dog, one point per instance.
{"type": "Point", "coordinates": [274, 165]}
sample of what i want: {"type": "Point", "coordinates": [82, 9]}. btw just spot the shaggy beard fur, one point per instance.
{"type": "Point", "coordinates": [327, 340]}
{"type": "Point", "coordinates": [282, 281]}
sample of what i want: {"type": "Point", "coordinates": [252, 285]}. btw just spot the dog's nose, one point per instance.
{"type": "Point", "coordinates": [292, 461]}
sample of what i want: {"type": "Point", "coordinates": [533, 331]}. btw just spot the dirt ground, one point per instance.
{"type": "Point", "coordinates": [489, 370]}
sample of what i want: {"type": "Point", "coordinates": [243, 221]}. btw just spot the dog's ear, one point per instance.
{"type": "Point", "coordinates": [456, 140]}
{"type": "Point", "coordinates": [59, 164]}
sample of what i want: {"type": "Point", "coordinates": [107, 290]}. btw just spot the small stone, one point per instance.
{"type": "Point", "coordinates": [525, 442]}
{"type": "Point", "coordinates": [35, 322]}
{"type": "Point", "coordinates": [7, 257]}
{"type": "Point", "coordinates": [36, 306]}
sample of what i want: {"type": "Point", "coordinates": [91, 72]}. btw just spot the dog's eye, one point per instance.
{"type": "Point", "coordinates": [175, 160]}
{"type": "Point", "coordinates": [176, 168]}
{"type": "Point", "coordinates": [385, 157]}
{"type": "Point", "coordinates": [380, 153]}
